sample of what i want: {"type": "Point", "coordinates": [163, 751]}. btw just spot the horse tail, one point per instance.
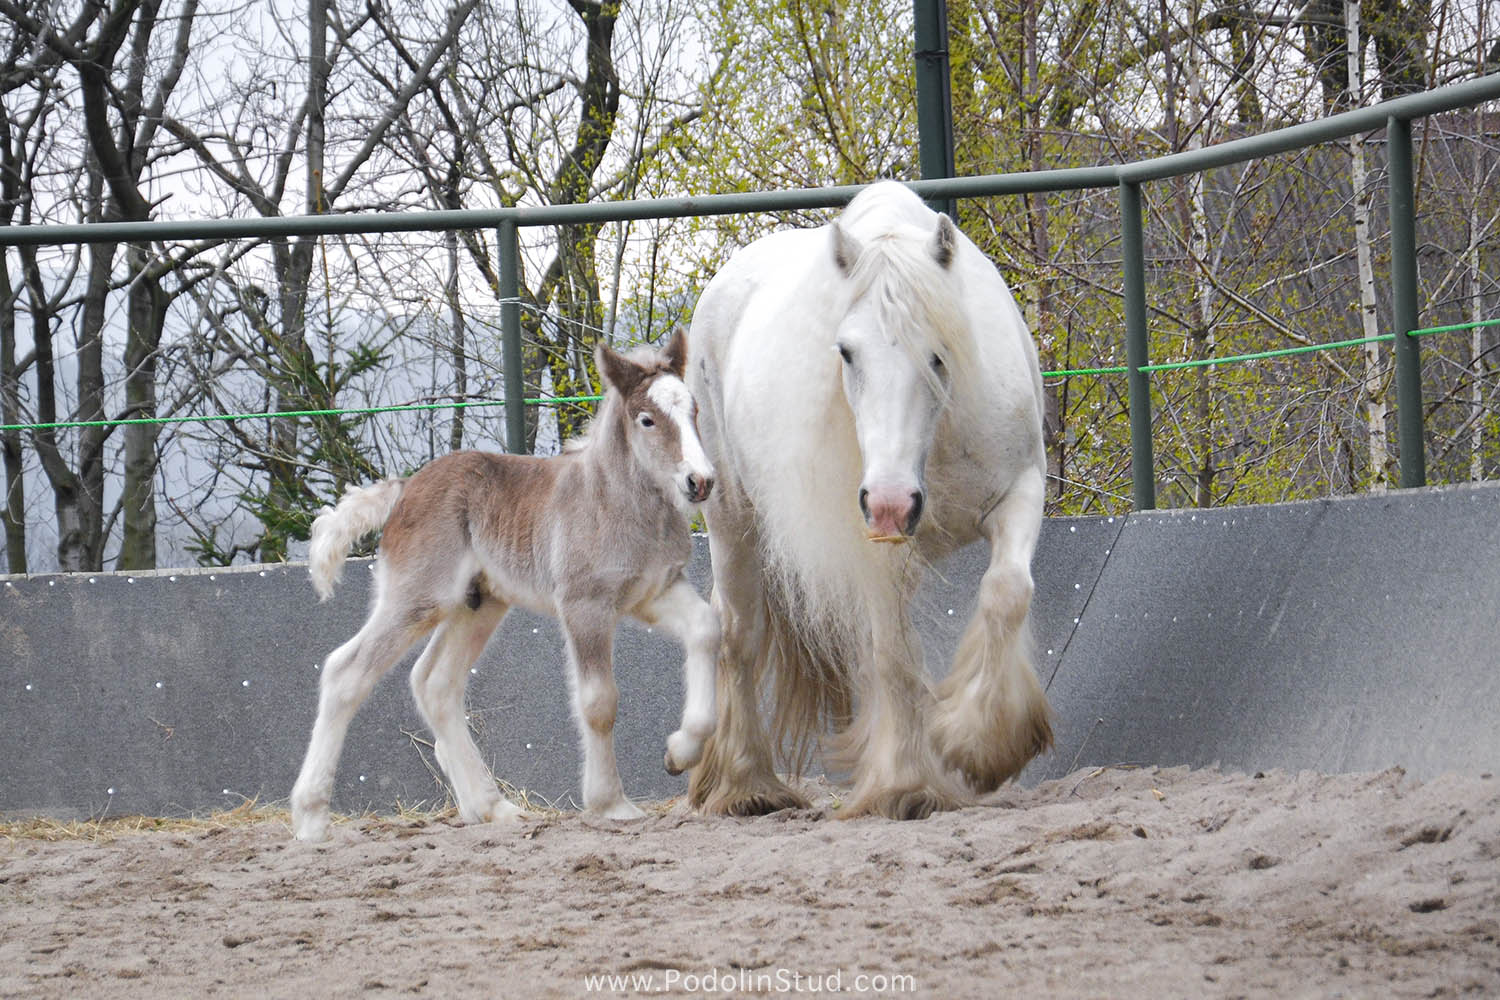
{"type": "Point", "coordinates": [362, 510]}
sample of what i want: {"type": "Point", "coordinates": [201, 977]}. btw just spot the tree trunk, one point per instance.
{"type": "Point", "coordinates": [147, 308]}
{"type": "Point", "coordinates": [13, 509]}
{"type": "Point", "coordinates": [1375, 384]}
{"type": "Point", "coordinates": [456, 347]}
{"type": "Point", "coordinates": [1474, 280]}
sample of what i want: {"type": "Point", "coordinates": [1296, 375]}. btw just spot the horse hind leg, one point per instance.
{"type": "Point", "coordinates": [992, 715]}
{"type": "Point", "coordinates": [349, 675]}
{"type": "Point", "coordinates": [438, 682]}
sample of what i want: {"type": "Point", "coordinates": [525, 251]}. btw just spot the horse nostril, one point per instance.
{"type": "Point", "coordinates": [916, 512]}
{"type": "Point", "coordinates": [864, 502]}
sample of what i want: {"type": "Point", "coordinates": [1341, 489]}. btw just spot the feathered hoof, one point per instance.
{"type": "Point", "coordinates": [900, 803]}
{"type": "Point", "coordinates": [761, 799]}
{"type": "Point", "coordinates": [987, 763]}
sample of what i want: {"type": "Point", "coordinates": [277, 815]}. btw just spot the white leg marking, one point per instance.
{"type": "Point", "coordinates": [349, 674]}
{"type": "Point", "coordinates": [690, 619]}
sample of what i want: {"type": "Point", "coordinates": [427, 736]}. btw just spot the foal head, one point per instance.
{"type": "Point", "coordinates": [658, 417]}
{"type": "Point", "coordinates": [901, 344]}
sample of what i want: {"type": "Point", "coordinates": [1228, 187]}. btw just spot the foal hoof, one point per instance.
{"type": "Point", "coordinates": [623, 811]}
{"type": "Point", "coordinates": [683, 751]}
{"type": "Point", "coordinates": [310, 828]}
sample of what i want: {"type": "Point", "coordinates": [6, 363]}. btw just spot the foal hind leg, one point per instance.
{"type": "Point", "coordinates": [992, 715]}
{"type": "Point", "coordinates": [690, 619]}
{"type": "Point", "coordinates": [349, 675]}
{"type": "Point", "coordinates": [438, 682]}
{"type": "Point", "coordinates": [590, 632]}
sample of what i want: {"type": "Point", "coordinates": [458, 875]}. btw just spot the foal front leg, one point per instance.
{"type": "Point", "coordinates": [590, 633]}
{"type": "Point", "coordinates": [689, 619]}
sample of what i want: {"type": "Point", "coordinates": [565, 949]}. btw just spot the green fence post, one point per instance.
{"type": "Point", "coordinates": [509, 249]}
{"type": "Point", "coordinates": [1137, 351]}
{"type": "Point", "coordinates": [1404, 304]}
{"type": "Point", "coordinates": [934, 97]}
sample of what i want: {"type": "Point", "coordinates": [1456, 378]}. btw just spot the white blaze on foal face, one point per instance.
{"type": "Point", "coordinates": [694, 473]}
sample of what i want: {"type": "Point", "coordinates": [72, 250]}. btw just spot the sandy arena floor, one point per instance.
{"type": "Point", "coordinates": [1111, 883]}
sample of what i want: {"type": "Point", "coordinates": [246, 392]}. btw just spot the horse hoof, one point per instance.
{"type": "Point", "coordinates": [986, 765]}
{"type": "Point", "coordinates": [900, 804]}
{"type": "Point", "coordinates": [761, 801]}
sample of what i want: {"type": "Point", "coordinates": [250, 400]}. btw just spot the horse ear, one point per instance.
{"type": "Point", "coordinates": [944, 242]}
{"type": "Point", "coordinates": [619, 372]}
{"type": "Point", "coordinates": [676, 353]}
{"type": "Point", "coordinates": [846, 249]}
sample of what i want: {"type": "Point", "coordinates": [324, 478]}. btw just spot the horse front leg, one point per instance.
{"type": "Point", "coordinates": [992, 716]}
{"type": "Point", "coordinates": [590, 632]}
{"type": "Point", "coordinates": [695, 624]}
{"type": "Point", "coordinates": [737, 776]}
{"type": "Point", "coordinates": [896, 774]}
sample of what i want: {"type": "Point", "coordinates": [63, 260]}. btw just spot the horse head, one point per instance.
{"type": "Point", "coordinates": [658, 417]}
{"type": "Point", "coordinates": [900, 344]}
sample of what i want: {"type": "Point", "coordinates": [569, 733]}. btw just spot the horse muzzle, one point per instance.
{"type": "Point", "coordinates": [891, 513]}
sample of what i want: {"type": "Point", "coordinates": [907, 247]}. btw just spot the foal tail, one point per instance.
{"type": "Point", "coordinates": [362, 510]}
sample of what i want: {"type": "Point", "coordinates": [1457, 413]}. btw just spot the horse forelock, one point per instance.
{"type": "Point", "coordinates": [916, 300]}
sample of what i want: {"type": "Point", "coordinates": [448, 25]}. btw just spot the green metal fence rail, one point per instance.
{"type": "Point", "coordinates": [1395, 116]}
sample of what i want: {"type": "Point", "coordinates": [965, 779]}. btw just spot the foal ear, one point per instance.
{"type": "Point", "coordinates": [676, 353]}
{"type": "Point", "coordinates": [846, 249]}
{"type": "Point", "coordinates": [617, 371]}
{"type": "Point", "coordinates": [944, 242]}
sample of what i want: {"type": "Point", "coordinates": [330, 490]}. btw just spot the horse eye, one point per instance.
{"type": "Point", "coordinates": [646, 421]}
{"type": "Point", "coordinates": [846, 355]}
{"type": "Point", "coordinates": [937, 364]}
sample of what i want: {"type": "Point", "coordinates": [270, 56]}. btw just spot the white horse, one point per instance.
{"type": "Point", "coordinates": [589, 536]}
{"type": "Point", "coordinates": [871, 381]}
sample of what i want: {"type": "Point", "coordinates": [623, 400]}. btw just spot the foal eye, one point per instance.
{"type": "Point", "coordinates": [845, 353]}
{"type": "Point", "coordinates": [937, 364]}
{"type": "Point", "coordinates": [646, 421]}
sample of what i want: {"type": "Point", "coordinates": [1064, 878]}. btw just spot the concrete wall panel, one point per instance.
{"type": "Point", "coordinates": [1338, 635]}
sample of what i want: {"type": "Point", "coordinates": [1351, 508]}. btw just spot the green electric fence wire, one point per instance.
{"type": "Point", "coordinates": [1262, 355]}
{"type": "Point", "coordinates": [288, 414]}
{"type": "Point", "coordinates": [556, 400]}
{"type": "Point", "coordinates": [1454, 328]}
